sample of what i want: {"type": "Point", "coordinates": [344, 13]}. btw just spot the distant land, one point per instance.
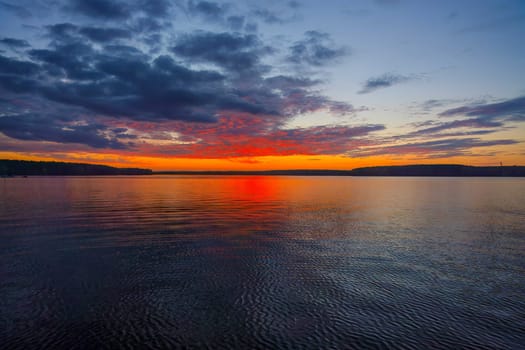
{"type": "Point", "coordinates": [33, 168]}
{"type": "Point", "coordinates": [29, 168]}
{"type": "Point", "coordinates": [403, 170]}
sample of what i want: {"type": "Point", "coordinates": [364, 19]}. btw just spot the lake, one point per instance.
{"type": "Point", "coordinates": [262, 262]}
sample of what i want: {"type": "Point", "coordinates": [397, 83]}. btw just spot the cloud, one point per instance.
{"type": "Point", "coordinates": [103, 35]}
{"type": "Point", "coordinates": [208, 94]}
{"type": "Point", "coordinates": [17, 10]}
{"type": "Point", "coordinates": [510, 110]}
{"type": "Point", "coordinates": [431, 104]}
{"type": "Point", "coordinates": [432, 149]}
{"type": "Point", "coordinates": [118, 10]}
{"type": "Point", "coordinates": [294, 4]}
{"type": "Point", "coordinates": [16, 83]}
{"type": "Point", "coordinates": [234, 52]}
{"type": "Point", "coordinates": [493, 24]}
{"type": "Point", "coordinates": [38, 127]}
{"type": "Point", "coordinates": [71, 61]}
{"type": "Point", "coordinates": [11, 66]}
{"type": "Point", "coordinates": [465, 123]}
{"type": "Point", "coordinates": [241, 135]}
{"type": "Point", "coordinates": [69, 33]}
{"type": "Point", "coordinates": [130, 85]}
{"type": "Point", "coordinates": [285, 12]}
{"type": "Point", "coordinates": [315, 49]}
{"type": "Point", "coordinates": [467, 133]}
{"type": "Point", "coordinates": [383, 81]}
{"type": "Point", "coordinates": [122, 81]}
{"type": "Point", "coordinates": [14, 43]}
{"type": "Point", "coordinates": [268, 17]}
{"type": "Point", "coordinates": [158, 8]}
{"type": "Point", "coordinates": [101, 9]}
{"type": "Point", "coordinates": [236, 22]}
{"type": "Point", "coordinates": [221, 14]}
{"type": "Point", "coordinates": [208, 10]}
{"type": "Point", "coordinates": [61, 31]}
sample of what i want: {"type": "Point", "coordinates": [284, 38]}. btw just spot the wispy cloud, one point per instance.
{"type": "Point", "coordinates": [384, 81]}
{"type": "Point", "coordinates": [441, 148]}
{"type": "Point", "coordinates": [14, 43]}
{"type": "Point", "coordinates": [493, 23]}
{"type": "Point", "coordinates": [510, 110]}
{"type": "Point", "coordinates": [19, 11]}
{"type": "Point", "coordinates": [316, 49]}
{"type": "Point", "coordinates": [456, 124]}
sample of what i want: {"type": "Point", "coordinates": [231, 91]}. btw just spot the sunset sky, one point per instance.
{"type": "Point", "coordinates": [205, 85]}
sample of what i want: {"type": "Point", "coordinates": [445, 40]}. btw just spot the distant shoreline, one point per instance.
{"type": "Point", "coordinates": [10, 168]}
{"type": "Point", "coordinates": [443, 170]}
{"type": "Point", "coordinates": [34, 168]}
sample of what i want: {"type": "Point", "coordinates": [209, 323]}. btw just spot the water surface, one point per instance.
{"type": "Point", "coordinates": [262, 262]}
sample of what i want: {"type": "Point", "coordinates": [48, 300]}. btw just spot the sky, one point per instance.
{"type": "Point", "coordinates": [251, 85]}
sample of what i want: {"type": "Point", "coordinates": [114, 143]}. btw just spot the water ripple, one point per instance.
{"type": "Point", "coordinates": [264, 262]}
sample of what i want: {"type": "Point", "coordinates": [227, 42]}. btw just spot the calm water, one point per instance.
{"type": "Point", "coordinates": [262, 262]}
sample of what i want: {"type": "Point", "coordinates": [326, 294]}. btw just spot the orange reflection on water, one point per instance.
{"type": "Point", "coordinates": [150, 209]}
{"type": "Point", "coordinates": [255, 188]}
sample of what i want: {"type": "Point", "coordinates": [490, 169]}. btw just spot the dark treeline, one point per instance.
{"type": "Point", "coordinates": [300, 172]}
{"type": "Point", "coordinates": [406, 170]}
{"type": "Point", "coordinates": [440, 170]}
{"type": "Point", "coordinates": [27, 168]}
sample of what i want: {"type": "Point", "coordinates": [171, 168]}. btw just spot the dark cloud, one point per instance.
{"type": "Point", "coordinates": [16, 83]}
{"type": "Point", "coordinates": [17, 10]}
{"type": "Point", "coordinates": [11, 66]}
{"type": "Point", "coordinates": [208, 10]}
{"type": "Point", "coordinates": [103, 35]}
{"type": "Point", "coordinates": [287, 83]}
{"type": "Point", "coordinates": [315, 49]}
{"type": "Point", "coordinates": [210, 94]}
{"type": "Point", "coordinates": [234, 52]}
{"type": "Point", "coordinates": [101, 9]}
{"type": "Point", "coordinates": [510, 110]}
{"type": "Point", "coordinates": [158, 8]}
{"type": "Point", "coordinates": [63, 33]}
{"type": "Point", "coordinates": [383, 81]}
{"type": "Point", "coordinates": [126, 83]}
{"type": "Point", "coordinates": [138, 89]}
{"type": "Point", "coordinates": [72, 61]}
{"type": "Point", "coordinates": [147, 24]}
{"type": "Point", "coordinates": [38, 127]}
{"type": "Point", "coordinates": [122, 81]}
{"type": "Point", "coordinates": [301, 101]}
{"type": "Point", "coordinates": [134, 87]}
{"type": "Point", "coordinates": [124, 51]}
{"type": "Point", "coordinates": [14, 43]}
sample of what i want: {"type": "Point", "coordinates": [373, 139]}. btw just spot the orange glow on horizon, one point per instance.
{"type": "Point", "coordinates": [254, 163]}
